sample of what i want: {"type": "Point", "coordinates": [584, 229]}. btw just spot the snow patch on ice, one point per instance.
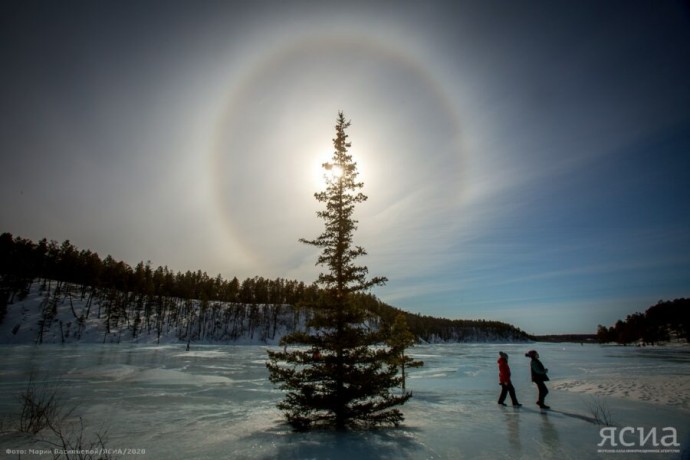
{"type": "Point", "coordinates": [672, 390]}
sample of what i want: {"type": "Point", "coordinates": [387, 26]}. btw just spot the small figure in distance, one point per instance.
{"type": "Point", "coordinates": [539, 377]}
{"type": "Point", "coordinates": [504, 381]}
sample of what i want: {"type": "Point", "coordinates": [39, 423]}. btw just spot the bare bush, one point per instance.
{"type": "Point", "coordinates": [600, 411]}
{"type": "Point", "coordinates": [43, 410]}
{"type": "Point", "coordinates": [41, 406]}
{"type": "Point", "coordinates": [72, 442]}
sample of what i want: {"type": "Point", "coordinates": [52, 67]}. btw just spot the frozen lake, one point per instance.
{"type": "Point", "coordinates": [216, 402]}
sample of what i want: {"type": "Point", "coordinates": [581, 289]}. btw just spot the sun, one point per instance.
{"type": "Point", "coordinates": [324, 171]}
{"type": "Point", "coordinates": [333, 171]}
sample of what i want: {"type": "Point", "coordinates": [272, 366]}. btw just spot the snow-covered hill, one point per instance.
{"type": "Point", "coordinates": [65, 313]}
{"type": "Point", "coordinates": [59, 312]}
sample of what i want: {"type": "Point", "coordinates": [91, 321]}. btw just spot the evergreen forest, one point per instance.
{"type": "Point", "coordinates": [198, 306]}
{"type": "Point", "coordinates": [667, 320]}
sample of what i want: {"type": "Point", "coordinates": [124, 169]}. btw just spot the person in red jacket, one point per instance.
{"type": "Point", "coordinates": [504, 381]}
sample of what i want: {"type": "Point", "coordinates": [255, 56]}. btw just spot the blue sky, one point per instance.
{"type": "Point", "coordinates": [524, 163]}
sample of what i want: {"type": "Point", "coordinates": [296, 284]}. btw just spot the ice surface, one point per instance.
{"type": "Point", "coordinates": [216, 401]}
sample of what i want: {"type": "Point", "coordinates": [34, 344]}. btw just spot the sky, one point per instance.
{"type": "Point", "coordinates": [525, 162]}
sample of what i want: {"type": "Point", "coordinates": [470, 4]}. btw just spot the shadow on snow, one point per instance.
{"type": "Point", "coordinates": [393, 443]}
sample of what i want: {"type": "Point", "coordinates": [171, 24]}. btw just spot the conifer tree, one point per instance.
{"type": "Point", "coordinates": [334, 375]}
{"type": "Point", "coordinates": [399, 338]}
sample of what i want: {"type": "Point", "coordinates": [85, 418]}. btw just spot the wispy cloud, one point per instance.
{"type": "Point", "coordinates": [514, 163]}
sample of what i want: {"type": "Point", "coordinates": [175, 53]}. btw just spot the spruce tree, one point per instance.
{"type": "Point", "coordinates": [399, 338]}
{"type": "Point", "coordinates": [338, 374]}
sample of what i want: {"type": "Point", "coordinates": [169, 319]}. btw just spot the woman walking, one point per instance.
{"type": "Point", "coordinates": [504, 381]}
{"type": "Point", "coordinates": [539, 377]}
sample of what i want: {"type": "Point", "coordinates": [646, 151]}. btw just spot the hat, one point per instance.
{"type": "Point", "coordinates": [531, 354]}
{"type": "Point", "coordinates": [503, 355]}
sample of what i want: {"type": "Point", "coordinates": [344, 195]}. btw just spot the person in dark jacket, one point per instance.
{"type": "Point", "coordinates": [539, 376]}
{"type": "Point", "coordinates": [504, 381]}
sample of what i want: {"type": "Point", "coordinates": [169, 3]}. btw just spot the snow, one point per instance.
{"type": "Point", "coordinates": [79, 316]}
{"type": "Point", "coordinates": [21, 324]}
{"type": "Point", "coordinates": [215, 401]}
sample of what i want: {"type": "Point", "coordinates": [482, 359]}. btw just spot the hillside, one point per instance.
{"type": "Point", "coordinates": [57, 293]}
{"type": "Point", "coordinates": [58, 312]}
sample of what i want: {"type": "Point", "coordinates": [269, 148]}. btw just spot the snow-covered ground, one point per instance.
{"type": "Point", "coordinates": [63, 313]}
{"type": "Point", "coordinates": [75, 318]}
{"type": "Point", "coordinates": [216, 402]}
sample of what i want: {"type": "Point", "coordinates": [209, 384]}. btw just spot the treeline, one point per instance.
{"type": "Point", "coordinates": [431, 329]}
{"type": "Point", "coordinates": [664, 321]}
{"type": "Point", "coordinates": [566, 338]}
{"type": "Point", "coordinates": [22, 261]}
{"type": "Point", "coordinates": [148, 298]}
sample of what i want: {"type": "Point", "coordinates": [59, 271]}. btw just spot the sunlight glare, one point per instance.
{"type": "Point", "coordinates": [321, 174]}
{"type": "Point", "coordinates": [333, 171]}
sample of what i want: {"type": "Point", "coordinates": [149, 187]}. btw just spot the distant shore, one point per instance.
{"type": "Point", "coordinates": [566, 338]}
